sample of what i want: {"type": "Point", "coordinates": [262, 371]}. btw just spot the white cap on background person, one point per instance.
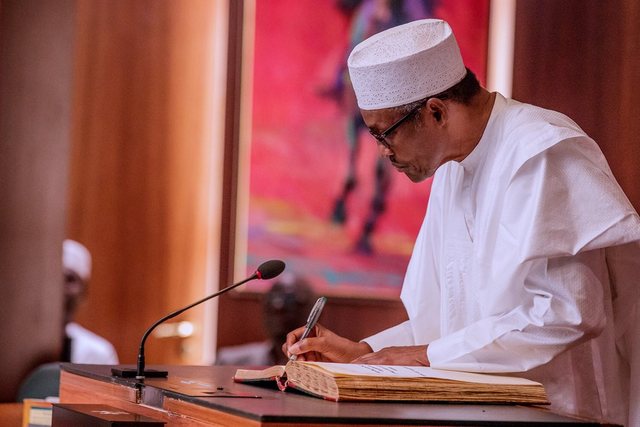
{"type": "Point", "coordinates": [77, 258]}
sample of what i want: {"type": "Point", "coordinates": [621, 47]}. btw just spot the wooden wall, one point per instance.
{"type": "Point", "coordinates": [582, 57]}
{"type": "Point", "coordinates": [36, 56]}
{"type": "Point", "coordinates": [145, 162]}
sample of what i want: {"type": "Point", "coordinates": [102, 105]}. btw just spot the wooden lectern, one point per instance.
{"type": "Point", "coordinates": [207, 395]}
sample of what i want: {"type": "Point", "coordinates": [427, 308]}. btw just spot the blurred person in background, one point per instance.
{"type": "Point", "coordinates": [80, 344]}
{"type": "Point", "coordinates": [285, 306]}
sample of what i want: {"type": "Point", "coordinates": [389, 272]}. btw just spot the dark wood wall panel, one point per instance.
{"type": "Point", "coordinates": [581, 57]}
{"type": "Point", "coordinates": [36, 56]}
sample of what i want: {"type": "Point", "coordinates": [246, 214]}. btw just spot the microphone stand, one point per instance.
{"type": "Point", "coordinates": [266, 270]}
{"type": "Point", "coordinates": [140, 372]}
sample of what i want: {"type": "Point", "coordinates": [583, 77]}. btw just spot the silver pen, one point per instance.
{"type": "Point", "coordinates": [311, 321]}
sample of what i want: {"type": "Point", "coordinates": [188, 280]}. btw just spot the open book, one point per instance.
{"type": "Point", "coordinates": [342, 381]}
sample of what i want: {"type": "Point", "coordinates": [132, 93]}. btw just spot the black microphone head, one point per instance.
{"type": "Point", "coordinates": [270, 269]}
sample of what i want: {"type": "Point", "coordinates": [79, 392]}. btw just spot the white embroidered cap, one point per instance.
{"type": "Point", "coordinates": [405, 64]}
{"type": "Point", "coordinates": [76, 258]}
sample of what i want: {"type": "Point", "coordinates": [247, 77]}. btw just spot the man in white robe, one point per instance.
{"type": "Point", "coordinates": [81, 345]}
{"type": "Point", "coordinates": [525, 261]}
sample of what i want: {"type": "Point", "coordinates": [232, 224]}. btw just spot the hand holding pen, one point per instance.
{"type": "Point", "coordinates": [311, 321]}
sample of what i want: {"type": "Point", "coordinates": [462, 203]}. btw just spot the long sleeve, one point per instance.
{"type": "Point", "coordinates": [563, 306]}
{"type": "Point", "coordinates": [538, 272]}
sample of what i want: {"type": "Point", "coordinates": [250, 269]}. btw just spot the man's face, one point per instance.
{"type": "Point", "coordinates": [415, 147]}
{"type": "Point", "coordinates": [74, 290]}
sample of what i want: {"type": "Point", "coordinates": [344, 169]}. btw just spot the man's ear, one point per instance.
{"type": "Point", "coordinates": [437, 109]}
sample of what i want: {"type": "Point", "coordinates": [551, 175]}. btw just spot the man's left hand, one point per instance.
{"type": "Point", "coordinates": [408, 355]}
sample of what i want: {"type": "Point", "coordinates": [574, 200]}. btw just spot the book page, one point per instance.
{"type": "Point", "coordinates": [417, 372]}
{"type": "Point", "coordinates": [312, 381]}
{"type": "Point", "coordinates": [270, 373]}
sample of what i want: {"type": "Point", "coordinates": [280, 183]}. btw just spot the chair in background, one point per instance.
{"type": "Point", "coordinates": [42, 382]}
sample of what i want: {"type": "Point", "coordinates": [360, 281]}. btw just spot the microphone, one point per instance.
{"type": "Point", "coordinates": [266, 270]}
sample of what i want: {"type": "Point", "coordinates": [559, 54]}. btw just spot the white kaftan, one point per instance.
{"type": "Point", "coordinates": [524, 263]}
{"type": "Point", "coordinates": [87, 347]}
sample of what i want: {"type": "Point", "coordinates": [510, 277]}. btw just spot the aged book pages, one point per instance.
{"type": "Point", "coordinates": [338, 381]}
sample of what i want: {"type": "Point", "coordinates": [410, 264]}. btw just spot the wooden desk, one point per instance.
{"type": "Point", "coordinates": [10, 414]}
{"type": "Point", "coordinates": [207, 395]}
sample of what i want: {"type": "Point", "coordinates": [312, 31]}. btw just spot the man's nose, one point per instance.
{"type": "Point", "coordinates": [384, 151]}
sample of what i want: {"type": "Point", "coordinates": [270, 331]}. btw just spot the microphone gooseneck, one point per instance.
{"type": "Point", "coordinates": [266, 270]}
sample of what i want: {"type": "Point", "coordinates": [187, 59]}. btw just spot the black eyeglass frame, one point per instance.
{"type": "Point", "coordinates": [382, 137]}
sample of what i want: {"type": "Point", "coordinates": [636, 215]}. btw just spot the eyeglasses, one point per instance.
{"type": "Point", "coordinates": [382, 137]}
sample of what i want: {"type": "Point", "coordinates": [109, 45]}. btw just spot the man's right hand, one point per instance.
{"type": "Point", "coordinates": [322, 345]}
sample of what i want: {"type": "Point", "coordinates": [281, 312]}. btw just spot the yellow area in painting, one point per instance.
{"type": "Point", "coordinates": [283, 218]}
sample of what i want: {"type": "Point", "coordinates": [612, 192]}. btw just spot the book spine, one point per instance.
{"type": "Point", "coordinates": [282, 382]}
